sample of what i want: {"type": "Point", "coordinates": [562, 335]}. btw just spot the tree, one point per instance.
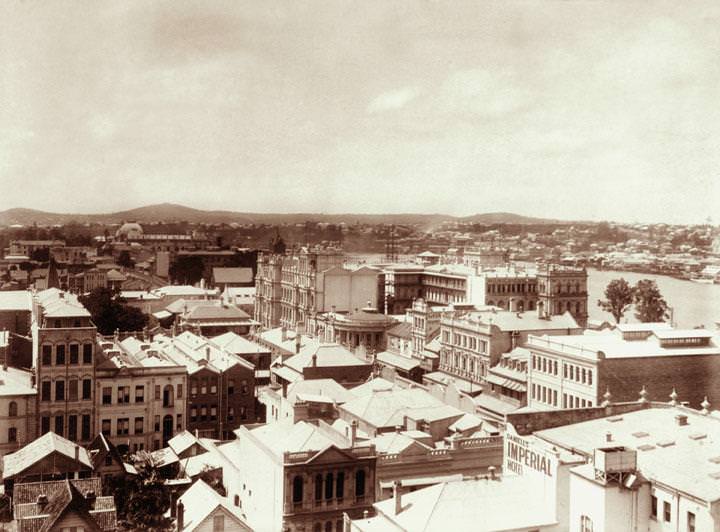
{"type": "Point", "coordinates": [40, 255]}
{"type": "Point", "coordinates": [110, 313]}
{"type": "Point", "coordinates": [125, 260]}
{"type": "Point", "coordinates": [146, 497]}
{"type": "Point", "coordinates": [649, 303]}
{"type": "Point", "coordinates": [618, 297]}
{"type": "Point", "coordinates": [186, 270]}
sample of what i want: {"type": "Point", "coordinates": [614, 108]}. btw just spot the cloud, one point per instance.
{"type": "Point", "coordinates": [392, 100]}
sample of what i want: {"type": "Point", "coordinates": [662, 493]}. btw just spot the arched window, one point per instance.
{"type": "Point", "coordinates": [297, 489]}
{"type": "Point", "coordinates": [318, 487]}
{"type": "Point", "coordinates": [317, 527]}
{"type": "Point", "coordinates": [328, 526]}
{"type": "Point", "coordinates": [329, 486]}
{"type": "Point", "coordinates": [12, 409]}
{"type": "Point", "coordinates": [360, 482]}
{"type": "Point", "coordinates": [340, 485]}
{"type": "Point", "coordinates": [586, 524]}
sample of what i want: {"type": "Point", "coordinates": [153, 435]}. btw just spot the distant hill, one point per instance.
{"type": "Point", "coordinates": [168, 212]}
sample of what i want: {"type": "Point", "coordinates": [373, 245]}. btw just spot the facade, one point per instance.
{"type": "Point", "coordinates": [293, 287]}
{"type": "Point", "coordinates": [64, 361]}
{"type": "Point", "coordinates": [18, 404]}
{"type": "Point", "coordinates": [224, 278]}
{"type": "Point", "coordinates": [220, 384]}
{"type": "Point", "coordinates": [363, 328]}
{"type": "Point", "coordinates": [26, 248]}
{"type": "Point", "coordinates": [302, 477]}
{"type": "Point", "coordinates": [203, 509]}
{"type": "Point", "coordinates": [577, 371]}
{"type": "Point", "coordinates": [141, 395]}
{"type": "Point", "coordinates": [472, 342]}
{"type": "Point", "coordinates": [16, 320]}
{"type": "Point", "coordinates": [213, 318]}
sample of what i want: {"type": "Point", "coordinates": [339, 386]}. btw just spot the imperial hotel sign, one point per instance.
{"type": "Point", "coordinates": [522, 458]}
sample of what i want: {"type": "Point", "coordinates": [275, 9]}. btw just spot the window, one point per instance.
{"type": "Point", "coordinates": [360, 483]}
{"type": "Point", "coordinates": [12, 409]}
{"type": "Point", "coordinates": [157, 423]}
{"type": "Point", "coordinates": [179, 422]}
{"type": "Point", "coordinates": [73, 390]}
{"type": "Point", "coordinates": [203, 386]}
{"type": "Point", "coordinates": [87, 353]}
{"type": "Point", "coordinates": [586, 524]}
{"type": "Point", "coordinates": [168, 396]}
{"type": "Point", "coordinates": [74, 353]}
{"type": "Point", "coordinates": [203, 413]}
{"type": "Point", "coordinates": [691, 522]}
{"type": "Point", "coordinates": [60, 390]}
{"type": "Point", "coordinates": [157, 393]}
{"type": "Point", "coordinates": [213, 413]}
{"type": "Point", "coordinates": [45, 393]}
{"type": "Point", "coordinates": [72, 427]}
{"type": "Point", "coordinates": [219, 523]}
{"type": "Point", "coordinates": [123, 395]}
{"type": "Point", "coordinates": [193, 387]}
{"type": "Point", "coordinates": [297, 489]}
{"type": "Point", "coordinates": [12, 435]}
{"type": "Point", "coordinates": [60, 425]}
{"type": "Point", "coordinates": [123, 426]}
{"type": "Point", "coordinates": [86, 427]}
{"type": "Point", "coordinates": [107, 395]}
{"type": "Point", "coordinates": [231, 413]}
{"type": "Point", "coordinates": [213, 388]}
{"type": "Point", "coordinates": [318, 487]}
{"type": "Point", "coordinates": [666, 511]}
{"type": "Point", "coordinates": [108, 459]}
{"type": "Point", "coordinates": [60, 355]}
{"type": "Point", "coordinates": [139, 394]}
{"type": "Point", "coordinates": [244, 387]}
{"type": "Point", "coordinates": [179, 391]}
{"type": "Point", "coordinates": [231, 386]}
{"type": "Point", "coordinates": [193, 413]}
{"type": "Point", "coordinates": [45, 424]}
{"type": "Point", "coordinates": [243, 413]}
{"type": "Point", "coordinates": [106, 427]}
{"type": "Point", "coordinates": [329, 486]}
{"type": "Point", "coordinates": [87, 389]}
{"type": "Point", "coordinates": [46, 355]}
{"type": "Point", "coordinates": [340, 485]}
{"type": "Point", "coordinates": [139, 425]}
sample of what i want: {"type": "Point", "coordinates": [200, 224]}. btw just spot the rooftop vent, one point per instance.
{"type": "Point", "coordinates": [666, 443]}
{"type": "Point", "coordinates": [646, 447]}
{"type": "Point", "coordinates": [714, 459]}
{"type": "Point", "coordinates": [640, 434]}
{"type": "Point", "coordinates": [697, 436]}
{"type": "Point", "coordinates": [681, 420]}
{"type": "Point", "coordinates": [715, 475]}
{"type": "Point", "coordinates": [615, 419]}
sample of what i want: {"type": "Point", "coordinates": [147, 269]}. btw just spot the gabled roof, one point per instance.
{"type": "Point", "coordinates": [234, 343]}
{"type": "Point", "coordinates": [15, 300]}
{"type": "Point", "coordinates": [327, 388]}
{"type": "Point", "coordinates": [17, 462]}
{"type": "Point", "coordinates": [59, 304]}
{"type": "Point", "coordinates": [280, 438]}
{"type": "Point", "coordinates": [401, 330]}
{"type": "Point", "coordinates": [211, 311]}
{"type": "Point", "coordinates": [201, 500]}
{"type": "Point", "coordinates": [182, 441]}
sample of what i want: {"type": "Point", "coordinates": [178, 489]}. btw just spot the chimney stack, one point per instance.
{"type": "Point", "coordinates": [314, 360]}
{"type": "Point", "coordinates": [608, 436]}
{"type": "Point", "coordinates": [283, 333]}
{"type": "Point", "coordinates": [207, 354]}
{"type": "Point", "coordinates": [491, 472]}
{"type": "Point", "coordinates": [353, 432]}
{"type": "Point", "coordinates": [397, 495]}
{"type": "Point", "coordinates": [180, 516]}
{"type": "Point", "coordinates": [298, 340]}
{"type": "Point", "coordinates": [77, 453]}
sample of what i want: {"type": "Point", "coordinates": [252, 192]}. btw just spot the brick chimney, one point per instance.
{"type": "Point", "coordinates": [397, 495]}
{"type": "Point", "coordinates": [298, 340]}
{"type": "Point", "coordinates": [353, 432]}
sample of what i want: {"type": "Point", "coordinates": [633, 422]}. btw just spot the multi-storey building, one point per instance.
{"type": "Point", "coordinates": [363, 328]}
{"type": "Point", "coordinates": [64, 360]}
{"type": "Point", "coordinates": [293, 287]}
{"type": "Point", "coordinates": [302, 477]}
{"type": "Point", "coordinates": [16, 320]}
{"type": "Point", "coordinates": [563, 289]}
{"type": "Point", "coordinates": [18, 401]}
{"type": "Point", "coordinates": [577, 371]}
{"type": "Point", "coordinates": [221, 384]}
{"type": "Point", "coordinates": [25, 248]}
{"type": "Point", "coordinates": [472, 342]}
{"type": "Point", "coordinates": [141, 395]}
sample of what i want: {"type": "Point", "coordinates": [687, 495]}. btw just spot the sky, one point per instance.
{"type": "Point", "coordinates": [591, 110]}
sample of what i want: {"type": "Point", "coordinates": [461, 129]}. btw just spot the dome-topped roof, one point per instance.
{"type": "Point", "coordinates": [129, 230]}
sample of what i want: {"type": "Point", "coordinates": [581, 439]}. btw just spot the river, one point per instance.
{"type": "Point", "coordinates": [694, 304]}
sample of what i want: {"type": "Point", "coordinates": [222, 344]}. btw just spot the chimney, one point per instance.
{"type": "Point", "coordinates": [365, 514]}
{"type": "Point", "coordinates": [207, 354]}
{"type": "Point", "coordinates": [397, 495]}
{"type": "Point", "coordinates": [608, 436]}
{"type": "Point", "coordinates": [491, 472]}
{"type": "Point", "coordinates": [539, 309]}
{"type": "Point", "coordinates": [298, 340]}
{"type": "Point", "coordinates": [197, 434]}
{"type": "Point", "coordinates": [77, 453]}
{"type": "Point", "coordinates": [511, 305]}
{"type": "Point", "coordinates": [314, 360]}
{"type": "Point", "coordinates": [180, 516]}
{"type": "Point", "coordinates": [42, 502]}
{"type": "Point", "coordinates": [353, 432]}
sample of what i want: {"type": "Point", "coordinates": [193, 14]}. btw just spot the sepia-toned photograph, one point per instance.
{"type": "Point", "coordinates": [359, 266]}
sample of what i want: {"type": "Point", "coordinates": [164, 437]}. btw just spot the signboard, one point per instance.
{"type": "Point", "coordinates": [522, 458]}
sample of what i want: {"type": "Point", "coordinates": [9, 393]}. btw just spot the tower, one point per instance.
{"type": "Point", "coordinates": [563, 289]}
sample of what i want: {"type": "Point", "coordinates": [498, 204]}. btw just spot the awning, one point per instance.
{"type": "Point", "coordinates": [162, 314]}
{"type": "Point", "coordinates": [506, 383]}
{"type": "Point", "coordinates": [287, 374]}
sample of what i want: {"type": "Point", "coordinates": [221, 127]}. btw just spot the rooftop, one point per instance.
{"type": "Point", "coordinates": [684, 457]}
{"type": "Point", "coordinates": [282, 438]}
{"type": "Point", "coordinates": [517, 321]}
{"type": "Point", "coordinates": [16, 300]}
{"type": "Point", "coordinates": [201, 500]}
{"type": "Point", "coordinates": [327, 388]}
{"type": "Point", "coordinates": [324, 355]}
{"type": "Point", "coordinates": [233, 275]}
{"type": "Point", "coordinates": [17, 462]}
{"type": "Point", "coordinates": [235, 343]}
